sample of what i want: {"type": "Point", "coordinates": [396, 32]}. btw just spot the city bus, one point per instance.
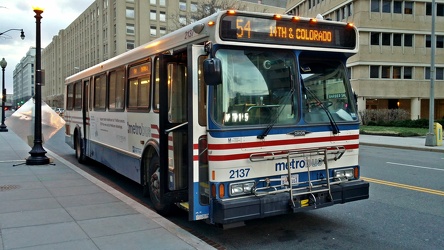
{"type": "Point", "coordinates": [237, 116]}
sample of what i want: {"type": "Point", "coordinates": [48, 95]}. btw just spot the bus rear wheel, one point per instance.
{"type": "Point", "coordinates": [80, 156]}
{"type": "Point", "coordinates": [155, 184]}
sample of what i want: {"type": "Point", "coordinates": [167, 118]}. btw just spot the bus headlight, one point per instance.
{"type": "Point", "coordinates": [241, 188]}
{"type": "Point", "coordinates": [346, 173]}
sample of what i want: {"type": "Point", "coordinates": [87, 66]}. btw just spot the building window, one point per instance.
{"type": "Point", "coordinates": [338, 15]}
{"type": "Point", "coordinates": [374, 38]}
{"type": "Point", "coordinates": [386, 6]}
{"type": "Point", "coordinates": [153, 31]}
{"type": "Point", "coordinates": [439, 41]}
{"type": "Point", "coordinates": [129, 12]}
{"type": "Point", "coordinates": [162, 16]}
{"type": "Point", "coordinates": [408, 40]}
{"type": "Point", "coordinates": [428, 41]}
{"type": "Point", "coordinates": [374, 71]}
{"type": "Point", "coordinates": [408, 73]}
{"type": "Point", "coordinates": [375, 5]}
{"type": "Point", "coordinates": [391, 72]}
{"type": "Point", "coordinates": [397, 7]}
{"type": "Point", "coordinates": [439, 73]}
{"type": "Point", "coordinates": [385, 72]}
{"type": "Point", "coordinates": [183, 20]}
{"type": "Point", "coordinates": [193, 7]}
{"type": "Point", "coordinates": [130, 29]}
{"type": "Point", "coordinates": [153, 2]}
{"type": "Point", "coordinates": [162, 2]}
{"type": "Point", "coordinates": [153, 15]}
{"type": "Point", "coordinates": [396, 72]}
{"type": "Point", "coordinates": [397, 38]}
{"type": "Point", "coordinates": [386, 39]}
{"type": "Point", "coordinates": [439, 9]}
{"type": "Point", "coordinates": [183, 5]}
{"type": "Point", "coordinates": [408, 7]}
{"type": "Point", "coordinates": [162, 31]}
{"type": "Point", "coordinates": [130, 44]}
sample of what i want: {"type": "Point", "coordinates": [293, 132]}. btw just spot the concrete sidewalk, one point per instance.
{"type": "Point", "coordinates": [62, 207]}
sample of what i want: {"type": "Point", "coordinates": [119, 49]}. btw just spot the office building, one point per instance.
{"type": "Point", "coordinates": [392, 68]}
{"type": "Point", "coordinates": [23, 79]}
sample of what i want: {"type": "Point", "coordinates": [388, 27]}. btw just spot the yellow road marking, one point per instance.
{"type": "Point", "coordinates": [399, 185]}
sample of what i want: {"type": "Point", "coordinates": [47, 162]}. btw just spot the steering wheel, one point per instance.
{"type": "Point", "coordinates": [318, 104]}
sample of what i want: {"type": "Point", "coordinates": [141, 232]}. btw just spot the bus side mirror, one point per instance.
{"type": "Point", "coordinates": [212, 70]}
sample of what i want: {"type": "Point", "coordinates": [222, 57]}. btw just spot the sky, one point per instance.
{"type": "Point", "coordinates": [18, 14]}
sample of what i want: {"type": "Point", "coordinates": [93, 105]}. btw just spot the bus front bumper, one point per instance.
{"type": "Point", "coordinates": [235, 210]}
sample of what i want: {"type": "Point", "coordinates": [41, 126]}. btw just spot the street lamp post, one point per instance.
{"type": "Point", "coordinates": [22, 33]}
{"type": "Point", "coordinates": [37, 152]}
{"type": "Point", "coordinates": [430, 137]}
{"type": "Point", "coordinates": [3, 64]}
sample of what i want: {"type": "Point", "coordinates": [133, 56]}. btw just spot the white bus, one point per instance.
{"type": "Point", "coordinates": [237, 116]}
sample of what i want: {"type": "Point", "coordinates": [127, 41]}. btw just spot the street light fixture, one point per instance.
{"type": "Point", "coordinates": [22, 33]}
{"type": "Point", "coordinates": [37, 152]}
{"type": "Point", "coordinates": [3, 64]}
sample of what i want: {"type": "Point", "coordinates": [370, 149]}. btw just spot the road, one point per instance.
{"type": "Point", "coordinates": [405, 209]}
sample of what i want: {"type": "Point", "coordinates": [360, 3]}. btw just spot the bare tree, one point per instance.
{"type": "Point", "coordinates": [203, 9]}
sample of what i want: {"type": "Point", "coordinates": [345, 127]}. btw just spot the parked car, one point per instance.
{"type": "Point", "coordinates": [60, 111]}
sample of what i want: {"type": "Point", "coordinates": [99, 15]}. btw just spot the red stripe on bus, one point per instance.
{"type": "Point", "coordinates": [280, 142]}
{"type": "Point", "coordinates": [231, 157]}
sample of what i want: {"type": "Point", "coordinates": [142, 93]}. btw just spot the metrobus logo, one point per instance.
{"type": "Point", "coordinates": [295, 164]}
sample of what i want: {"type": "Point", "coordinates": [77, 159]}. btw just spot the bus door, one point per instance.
{"type": "Point", "coordinates": [85, 116]}
{"type": "Point", "coordinates": [199, 190]}
{"type": "Point", "coordinates": [174, 155]}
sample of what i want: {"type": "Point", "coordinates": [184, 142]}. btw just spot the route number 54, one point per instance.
{"type": "Point", "coordinates": [241, 28]}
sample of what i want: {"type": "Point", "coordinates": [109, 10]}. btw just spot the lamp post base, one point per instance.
{"type": "Point", "coordinates": [3, 128]}
{"type": "Point", "coordinates": [430, 140]}
{"type": "Point", "coordinates": [38, 156]}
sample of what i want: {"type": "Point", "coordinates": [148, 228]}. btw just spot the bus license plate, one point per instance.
{"type": "Point", "coordinates": [294, 179]}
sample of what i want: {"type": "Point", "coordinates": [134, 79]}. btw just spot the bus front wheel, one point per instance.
{"type": "Point", "coordinates": [154, 187]}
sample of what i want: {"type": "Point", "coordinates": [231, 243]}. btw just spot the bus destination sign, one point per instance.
{"type": "Point", "coordinates": [287, 32]}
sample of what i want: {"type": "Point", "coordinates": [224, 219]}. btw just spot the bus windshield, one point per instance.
{"type": "Point", "coordinates": [325, 91]}
{"type": "Point", "coordinates": [257, 88]}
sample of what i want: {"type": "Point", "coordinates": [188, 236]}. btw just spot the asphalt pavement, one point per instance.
{"type": "Point", "coordinates": [59, 206]}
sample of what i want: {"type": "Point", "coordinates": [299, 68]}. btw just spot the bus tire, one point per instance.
{"type": "Point", "coordinates": [146, 176]}
{"type": "Point", "coordinates": [80, 155]}
{"type": "Point", "coordinates": [154, 187]}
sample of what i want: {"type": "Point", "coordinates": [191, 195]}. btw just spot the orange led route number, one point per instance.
{"type": "Point", "coordinates": [244, 29]}
{"type": "Point", "coordinates": [287, 32]}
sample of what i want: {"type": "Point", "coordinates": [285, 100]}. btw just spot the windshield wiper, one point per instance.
{"type": "Point", "coordinates": [335, 128]}
{"type": "Point", "coordinates": [281, 108]}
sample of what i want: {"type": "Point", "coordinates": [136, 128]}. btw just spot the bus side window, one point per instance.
{"type": "Point", "coordinates": [117, 89]}
{"type": "Point", "coordinates": [70, 96]}
{"type": "Point", "coordinates": [100, 92]}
